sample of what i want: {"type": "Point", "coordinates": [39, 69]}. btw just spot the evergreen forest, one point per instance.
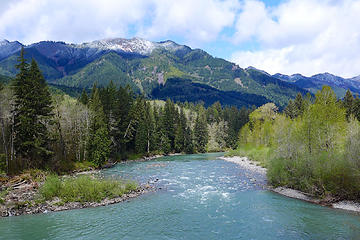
{"type": "Point", "coordinates": [46, 129]}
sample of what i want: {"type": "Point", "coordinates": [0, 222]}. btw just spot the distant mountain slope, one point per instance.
{"type": "Point", "coordinates": [183, 90]}
{"type": "Point", "coordinates": [315, 82]}
{"type": "Point", "coordinates": [145, 66]}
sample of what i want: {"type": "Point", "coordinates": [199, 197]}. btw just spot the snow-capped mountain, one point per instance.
{"type": "Point", "coordinates": [8, 48]}
{"type": "Point", "coordinates": [92, 50]}
{"type": "Point", "coordinates": [134, 45]}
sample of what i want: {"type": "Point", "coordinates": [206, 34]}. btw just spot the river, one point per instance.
{"type": "Point", "coordinates": [198, 197]}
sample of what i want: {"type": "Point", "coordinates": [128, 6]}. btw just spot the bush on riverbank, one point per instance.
{"type": "Point", "coordinates": [313, 148]}
{"type": "Point", "coordinates": [260, 154]}
{"type": "Point", "coordinates": [84, 188]}
{"type": "Point", "coordinates": [323, 175]}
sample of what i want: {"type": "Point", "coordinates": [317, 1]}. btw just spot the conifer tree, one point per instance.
{"type": "Point", "coordinates": [119, 132]}
{"type": "Point", "coordinates": [188, 141]}
{"type": "Point", "coordinates": [99, 140]}
{"type": "Point", "coordinates": [180, 132]}
{"type": "Point", "coordinates": [168, 122]}
{"type": "Point", "coordinates": [84, 99]}
{"type": "Point", "coordinates": [32, 114]}
{"type": "Point", "coordinates": [299, 105]}
{"type": "Point", "coordinates": [348, 103]}
{"type": "Point", "coordinates": [201, 133]}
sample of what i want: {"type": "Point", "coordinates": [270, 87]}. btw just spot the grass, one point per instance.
{"type": "Point", "coordinates": [135, 156]}
{"type": "Point", "coordinates": [3, 194]}
{"type": "Point", "coordinates": [84, 165]}
{"type": "Point", "coordinates": [84, 188]}
{"type": "Point", "coordinates": [259, 154]}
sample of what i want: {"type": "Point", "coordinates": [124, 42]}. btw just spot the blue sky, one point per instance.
{"type": "Point", "coordinates": [287, 36]}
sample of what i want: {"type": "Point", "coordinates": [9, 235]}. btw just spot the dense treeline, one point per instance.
{"type": "Point", "coordinates": [40, 130]}
{"type": "Point", "coordinates": [313, 146]}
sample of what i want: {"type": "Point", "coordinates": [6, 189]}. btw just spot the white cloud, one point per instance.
{"type": "Point", "coordinates": [306, 36]}
{"type": "Point", "coordinates": [85, 20]}
{"type": "Point", "coordinates": [69, 20]}
{"type": "Point", "coordinates": [200, 20]}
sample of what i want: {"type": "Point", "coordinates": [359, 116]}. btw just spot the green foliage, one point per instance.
{"type": "Point", "coordinates": [314, 150]}
{"type": "Point", "coordinates": [201, 136]}
{"type": "Point", "coordinates": [33, 112]}
{"type": "Point", "coordinates": [99, 140]}
{"type": "Point", "coordinates": [110, 124]}
{"type": "Point", "coordinates": [84, 188]}
{"type": "Point", "coordinates": [182, 90]}
{"type": "Point", "coordinates": [84, 97]}
{"type": "Point", "coordinates": [260, 154]}
{"type": "Point", "coordinates": [2, 163]}
{"type": "Point", "coordinates": [295, 108]}
{"type": "Point", "coordinates": [3, 194]}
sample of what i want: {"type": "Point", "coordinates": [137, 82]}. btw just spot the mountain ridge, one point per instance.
{"type": "Point", "coordinates": [146, 65]}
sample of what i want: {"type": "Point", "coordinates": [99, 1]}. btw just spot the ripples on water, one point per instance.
{"type": "Point", "coordinates": [199, 197]}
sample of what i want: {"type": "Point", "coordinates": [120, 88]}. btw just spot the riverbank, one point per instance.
{"type": "Point", "coordinates": [20, 195]}
{"type": "Point", "coordinates": [292, 193]}
{"type": "Point", "coordinates": [149, 158]}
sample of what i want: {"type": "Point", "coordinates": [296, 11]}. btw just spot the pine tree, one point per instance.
{"type": "Point", "coordinates": [201, 133]}
{"type": "Point", "coordinates": [32, 114]}
{"type": "Point", "coordinates": [119, 132]}
{"type": "Point", "coordinates": [188, 141]}
{"type": "Point", "coordinates": [168, 122]}
{"type": "Point", "coordinates": [141, 128]}
{"type": "Point", "coordinates": [179, 141]}
{"type": "Point", "coordinates": [290, 110]}
{"type": "Point", "coordinates": [348, 103]}
{"type": "Point", "coordinates": [84, 99]}
{"type": "Point", "coordinates": [299, 105]}
{"type": "Point", "coordinates": [99, 140]}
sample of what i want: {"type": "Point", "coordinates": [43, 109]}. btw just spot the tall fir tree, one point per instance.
{"type": "Point", "coordinates": [201, 135]}
{"type": "Point", "coordinates": [99, 139]}
{"type": "Point", "coordinates": [84, 99]}
{"type": "Point", "coordinates": [32, 114]}
{"type": "Point", "coordinates": [188, 141]}
{"type": "Point", "coordinates": [348, 103]}
{"type": "Point", "coordinates": [180, 132]}
{"type": "Point", "coordinates": [168, 122]}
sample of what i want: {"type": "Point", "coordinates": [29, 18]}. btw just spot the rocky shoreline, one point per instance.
{"type": "Point", "coordinates": [56, 205]}
{"type": "Point", "coordinates": [288, 192]}
{"type": "Point", "coordinates": [22, 198]}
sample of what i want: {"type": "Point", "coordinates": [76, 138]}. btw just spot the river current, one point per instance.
{"type": "Point", "coordinates": [198, 197]}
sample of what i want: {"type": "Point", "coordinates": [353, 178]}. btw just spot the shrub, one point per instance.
{"type": "Point", "coordinates": [84, 188]}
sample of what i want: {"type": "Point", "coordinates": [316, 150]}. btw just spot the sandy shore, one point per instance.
{"type": "Point", "coordinates": [246, 163]}
{"type": "Point", "coordinates": [288, 192]}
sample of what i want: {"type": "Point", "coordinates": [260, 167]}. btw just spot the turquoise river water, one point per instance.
{"type": "Point", "coordinates": [198, 197]}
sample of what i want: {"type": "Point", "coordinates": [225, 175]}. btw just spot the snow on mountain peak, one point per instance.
{"type": "Point", "coordinates": [133, 45]}
{"type": "Point", "coordinates": [3, 42]}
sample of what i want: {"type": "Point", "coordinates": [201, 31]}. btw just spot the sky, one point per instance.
{"type": "Point", "coordinates": [278, 36]}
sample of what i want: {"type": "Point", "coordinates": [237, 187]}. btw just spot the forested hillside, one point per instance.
{"type": "Point", "coordinates": [145, 66]}
{"type": "Point", "coordinates": [111, 123]}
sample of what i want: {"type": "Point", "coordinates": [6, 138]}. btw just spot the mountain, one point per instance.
{"type": "Point", "coordinates": [8, 48]}
{"type": "Point", "coordinates": [314, 83]}
{"type": "Point", "coordinates": [146, 66]}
